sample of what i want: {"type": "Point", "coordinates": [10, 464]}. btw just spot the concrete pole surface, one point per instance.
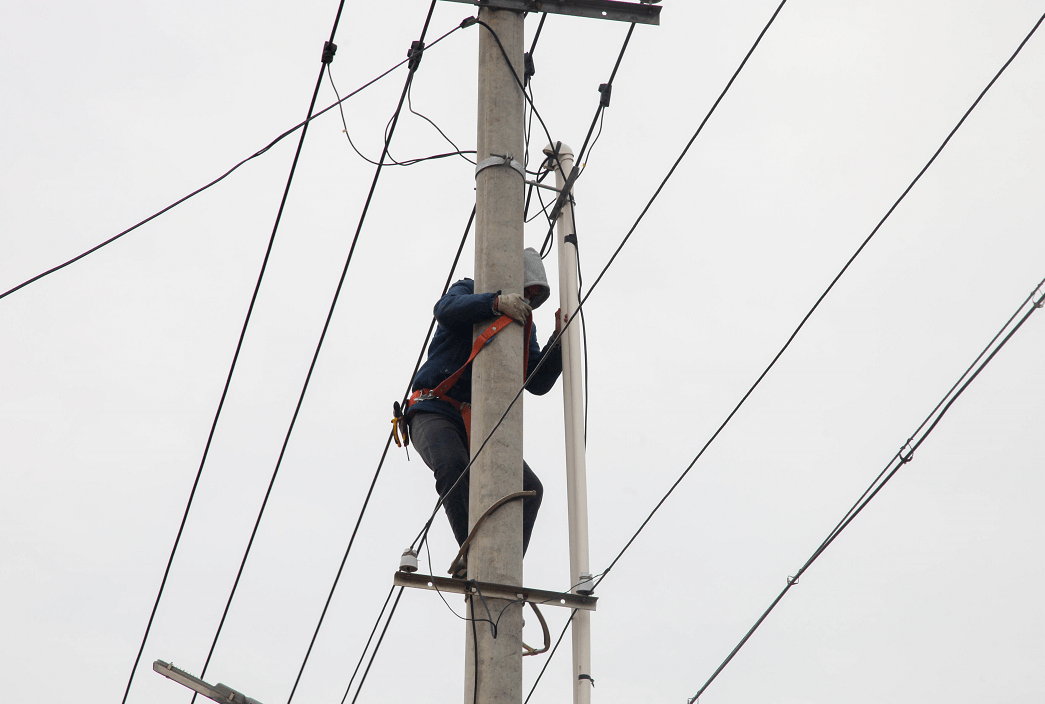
{"type": "Point", "coordinates": [496, 552]}
{"type": "Point", "coordinates": [573, 416]}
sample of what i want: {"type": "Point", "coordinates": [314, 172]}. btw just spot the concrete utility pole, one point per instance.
{"type": "Point", "coordinates": [496, 553]}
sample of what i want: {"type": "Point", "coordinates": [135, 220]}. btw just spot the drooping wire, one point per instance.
{"type": "Point", "coordinates": [377, 472]}
{"type": "Point", "coordinates": [199, 190]}
{"type": "Point", "coordinates": [393, 162]}
{"type": "Point", "coordinates": [362, 655]}
{"type": "Point", "coordinates": [319, 346]}
{"type": "Point", "coordinates": [410, 105]}
{"type": "Point", "coordinates": [900, 459]}
{"type": "Point", "coordinates": [826, 291]}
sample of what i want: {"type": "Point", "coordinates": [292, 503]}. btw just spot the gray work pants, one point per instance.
{"type": "Point", "coordinates": [443, 446]}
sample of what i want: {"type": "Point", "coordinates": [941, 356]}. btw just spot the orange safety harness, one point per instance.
{"type": "Point", "coordinates": [440, 392]}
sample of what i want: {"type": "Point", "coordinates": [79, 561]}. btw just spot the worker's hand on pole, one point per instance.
{"type": "Point", "coordinates": [514, 305]}
{"type": "Point", "coordinates": [559, 321]}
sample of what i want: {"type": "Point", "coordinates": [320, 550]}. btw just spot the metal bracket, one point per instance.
{"type": "Point", "coordinates": [506, 160]}
{"type": "Point", "coordinates": [497, 591]}
{"type": "Point", "coordinates": [641, 13]}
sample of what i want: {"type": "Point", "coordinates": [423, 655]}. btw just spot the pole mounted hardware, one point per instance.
{"type": "Point", "coordinates": [496, 591]}
{"type": "Point", "coordinates": [497, 160]}
{"type": "Point", "coordinates": [638, 12]}
{"type": "Point", "coordinates": [218, 692]}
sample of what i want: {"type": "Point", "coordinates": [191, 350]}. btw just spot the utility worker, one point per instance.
{"type": "Point", "coordinates": [439, 419]}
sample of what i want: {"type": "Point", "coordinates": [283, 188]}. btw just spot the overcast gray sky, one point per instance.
{"type": "Point", "coordinates": [111, 370]}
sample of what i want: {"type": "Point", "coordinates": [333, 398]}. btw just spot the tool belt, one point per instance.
{"type": "Point", "coordinates": [441, 392]}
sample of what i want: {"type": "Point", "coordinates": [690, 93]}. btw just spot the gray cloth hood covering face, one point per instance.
{"type": "Point", "coordinates": [533, 275]}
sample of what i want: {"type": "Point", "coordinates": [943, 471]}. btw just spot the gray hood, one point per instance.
{"type": "Point", "coordinates": [533, 275]}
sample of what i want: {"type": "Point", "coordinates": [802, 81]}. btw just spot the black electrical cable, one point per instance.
{"type": "Point", "coordinates": [834, 281]}
{"type": "Point", "coordinates": [227, 173]}
{"type": "Point", "coordinates": [228, 380]}
{"type": "Point", "coordinates": [599, 113]}
{"type": "Point", "coordinates": [377, 647]}
{"type": "Point", "coordinates": [547, 661]}
{"type": "Point", "coordinates": [315, 356]}
{"type": "Point", "coordinates": [518, 80]}
{"type": "Point", "coordinates": [362, 655]}
{"type": "Point", "coordinates": [393, 162]}
{"type": "Point", "coordinates": [900, 459]}
{"type": "Point", "coordinates": [407, 162]}
{"type": "Point", "coordinates": [377, 472]}
{"type": "Point", "coordinates": [830, 286]}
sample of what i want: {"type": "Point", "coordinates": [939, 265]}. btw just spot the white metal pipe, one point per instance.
{"type": "Point", "coordinates": [573, 399]}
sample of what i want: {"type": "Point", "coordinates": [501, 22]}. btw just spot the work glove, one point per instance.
{"type": "Point", "coordinates": [513, 305]}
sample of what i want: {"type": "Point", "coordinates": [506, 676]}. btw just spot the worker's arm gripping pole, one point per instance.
{"type": "Point", "coordinates": [572, 391]}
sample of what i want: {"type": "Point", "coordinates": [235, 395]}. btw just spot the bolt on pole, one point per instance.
{"type": "Point", "coordinates": [494, 664]}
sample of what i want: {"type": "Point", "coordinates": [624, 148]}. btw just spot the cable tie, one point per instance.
{"type": "Point", "coordinates": [605, 90]}
{"type": "Point", "coordinates": [586, 677]}
{"type": "Point", "coordinates": [792, 580]}
{"type": "Point", "coordinates": [529, 70]}
{"type": "Point", "coordinates": [416, 50]}
{"type": "Point", "coordinates": [1040, 303]}
{"type": "Point", "coordinates": [571, 239]}
{"type": "Point", "coordinates": [329, 49]}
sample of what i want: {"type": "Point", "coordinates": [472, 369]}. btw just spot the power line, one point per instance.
{"type": "Point", "coordinates": [826, 291]}
{"type": "Point", "coordinates": [900, 459]}
{"type": "Point", "coordinates": [377, 473]}
{"type": "Point", "coordinates": [232, 368]}
{"type": "Point", "coordinates": [319, 345]}
{"type": "Point", "coordinates": [256, 154]}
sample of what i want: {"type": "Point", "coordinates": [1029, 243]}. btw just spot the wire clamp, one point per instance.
{"type": "Point", "coordinates": [329, 49]}
{"type": "Point", "coordinates": [499, 160]}
{"type": "Point", "coordinates": [416, 50]}
{"type": "Point", "coordinates": [904, 459]}
{"type": "Point", "coordinates": [792, 580]}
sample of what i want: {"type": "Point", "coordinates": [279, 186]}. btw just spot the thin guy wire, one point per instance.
{"type": "Point", "coordinates": [199, 190]}
{"type": "Point", "coordinates": [377, 472]}
{"type": "Point", "coordinates": [312, 365]}
{"type": "Point", "coordinates": [901, 459]}
{"type": "Point", "coordinates": [828, 289]}
{"type": "Point", "coordinates": [228, 382]}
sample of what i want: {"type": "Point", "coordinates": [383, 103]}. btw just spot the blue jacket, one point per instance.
{"type": "Point", "coordinates": [456, 313]}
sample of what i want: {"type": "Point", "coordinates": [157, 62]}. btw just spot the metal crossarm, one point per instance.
{"type": "Point", "coordinates": [640, 13]}
{"type": "Point", "coordinates": [497, 591]}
